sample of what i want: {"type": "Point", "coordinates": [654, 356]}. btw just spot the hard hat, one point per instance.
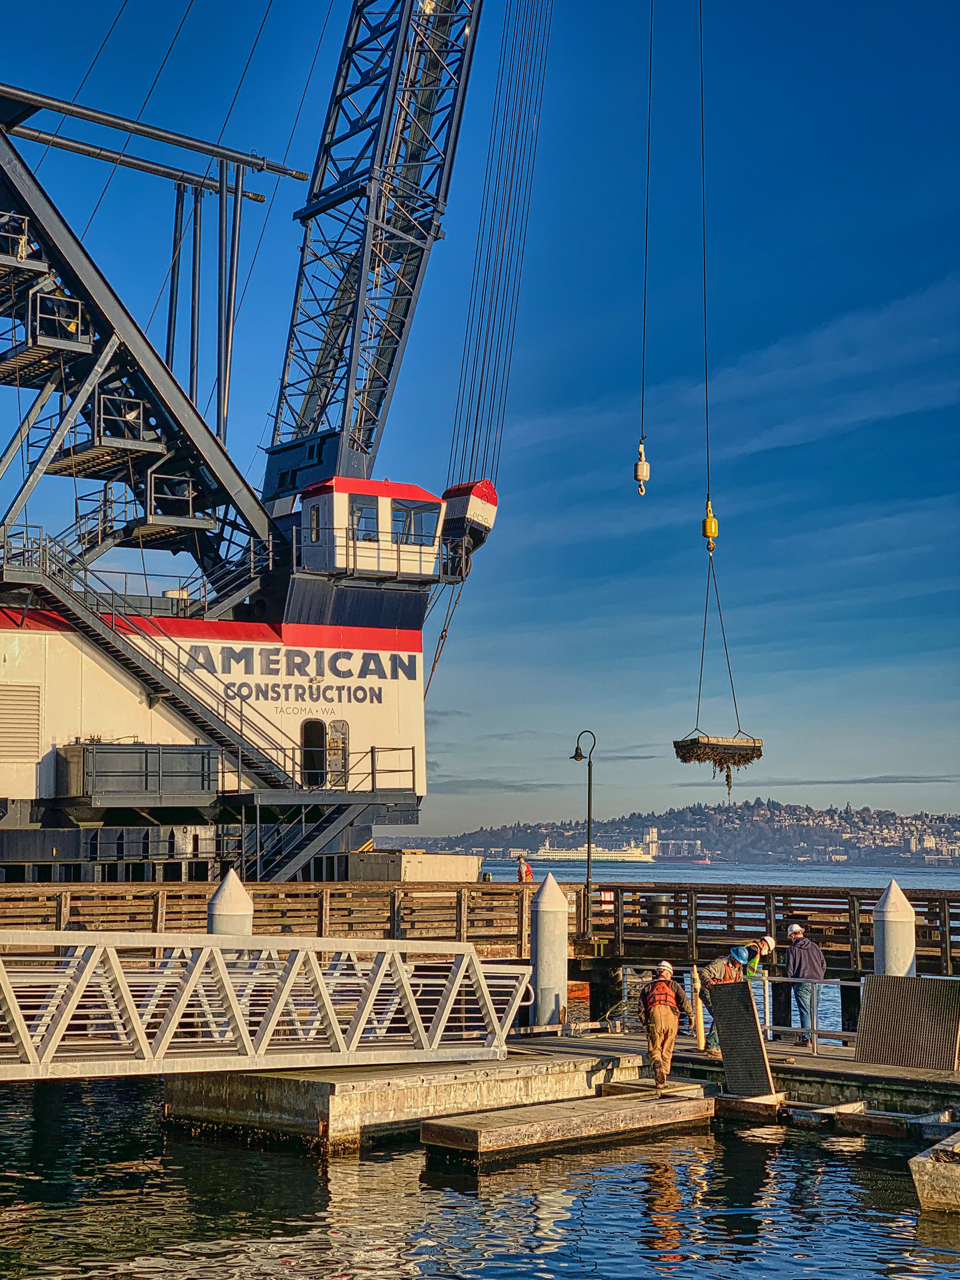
{"type": "Point", "coordinates": [666, 966]}
{"type": "Point", "coordinates": [740, 954]}
{"type": "Point", "coordinates": [771, 942]}
{"type": "Point", "coordinates": [794, 929]}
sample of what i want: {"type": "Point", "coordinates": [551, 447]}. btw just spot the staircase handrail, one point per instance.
{"type": "Point", "coordinates": [117, 613]}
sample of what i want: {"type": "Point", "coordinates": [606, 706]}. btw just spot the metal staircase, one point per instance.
{"type": "Point", "coordinates": [280, 851]}
{"type": "Point", "coordinates": [53, 575]}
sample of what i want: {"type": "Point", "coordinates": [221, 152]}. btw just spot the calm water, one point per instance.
{"type": "Point", "coordinates": [838, 876]}
{"type": "Point", "coordinates": [91, 1186]}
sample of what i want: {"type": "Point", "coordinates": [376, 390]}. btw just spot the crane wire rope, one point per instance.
{"type": "Point", "coordinates": [86, 77]}
{"type": "Point", "coordinates": [143, 107]}
{"type": "Point", "coordinates": [223, 128]}
{"type": "Point", "coordinates": [490, 328]}
{"type": "Point", "coordinates": [273, 194]}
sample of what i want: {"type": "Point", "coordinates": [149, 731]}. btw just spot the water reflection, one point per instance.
{"type": "Point", "coordinates": [91, 1186]}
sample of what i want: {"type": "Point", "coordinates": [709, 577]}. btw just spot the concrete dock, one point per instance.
{"type": "Point", "coordinates": [829, 1078]}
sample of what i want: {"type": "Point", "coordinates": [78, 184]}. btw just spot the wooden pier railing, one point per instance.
{"type": "Point", "coordinates": [682, 922]}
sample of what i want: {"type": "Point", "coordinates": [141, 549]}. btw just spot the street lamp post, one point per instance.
{"type": "Point", "coordinates": [578, 755]}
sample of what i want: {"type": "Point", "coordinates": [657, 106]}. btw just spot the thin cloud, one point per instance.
{"type": "Point", "coordinates": [625, 756]}
{"type": "Point", "coordinates": [487, 786]}
{"type": "Point", "coordinates": [864, 366]}
{"type": "Point", "coordinates": [883, 779]}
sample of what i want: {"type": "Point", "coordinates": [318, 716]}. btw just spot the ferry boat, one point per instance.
{"type": "Point", "coordinates": [632, 852]}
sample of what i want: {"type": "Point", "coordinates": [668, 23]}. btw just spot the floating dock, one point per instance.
{"type": "Point", "coordinates": [495, 1137]}
{"type": "Point", "coordinates": [341, 1110]}
{"type": "Point", "coordinates": [936, 1176]}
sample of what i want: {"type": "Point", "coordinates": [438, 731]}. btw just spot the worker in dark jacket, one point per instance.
{"type": "Point", "coordinates": [661, 1003]}
{"type": "Point", "coordinates": [728, 968]}
{"type": "Point", "coordinates": [804, 960]}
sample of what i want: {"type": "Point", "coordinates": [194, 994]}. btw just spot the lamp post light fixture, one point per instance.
{"type": "Point", "coordinates": [578, 755]}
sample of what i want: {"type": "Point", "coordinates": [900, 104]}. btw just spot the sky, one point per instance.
{"type": "Point", "coordinates": [833, 320]}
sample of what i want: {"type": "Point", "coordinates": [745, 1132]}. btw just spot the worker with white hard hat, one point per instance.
{"type": "Point", "coordinates": [661, 1002]}
{"type": "Point", "coordinates": [759, 949]}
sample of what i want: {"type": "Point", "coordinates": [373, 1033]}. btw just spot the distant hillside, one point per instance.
{"type": "Point", "coordinates": [751, 831]}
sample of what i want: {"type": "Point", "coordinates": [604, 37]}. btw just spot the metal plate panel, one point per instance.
{"type": "Point", "coordinates": [744, 1053]}
{"type": "Point", "coordinates": [909, 1022]}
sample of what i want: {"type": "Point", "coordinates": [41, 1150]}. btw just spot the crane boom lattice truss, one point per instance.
{"type": "Point", "coordinates": [373, 213]}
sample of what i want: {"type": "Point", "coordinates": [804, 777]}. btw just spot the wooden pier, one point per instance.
{"type": "Point", "coordinates": [686, 923]}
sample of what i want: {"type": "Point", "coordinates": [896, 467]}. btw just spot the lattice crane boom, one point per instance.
{"type": "Point", "coordinates": [376, 199]}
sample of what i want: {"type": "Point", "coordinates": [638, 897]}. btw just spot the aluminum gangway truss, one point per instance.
{"type": "Point", "coordinates": [127, 1004]}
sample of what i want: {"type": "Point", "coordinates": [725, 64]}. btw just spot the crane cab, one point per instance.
{"type": "Point", "coordinates": [370, 529]}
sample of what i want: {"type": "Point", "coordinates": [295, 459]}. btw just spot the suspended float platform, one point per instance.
{"type": "Point", "coordinates": [704, 749]}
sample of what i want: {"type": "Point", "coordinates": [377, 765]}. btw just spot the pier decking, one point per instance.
{"type": "Point", "coordinates": [684, 922]}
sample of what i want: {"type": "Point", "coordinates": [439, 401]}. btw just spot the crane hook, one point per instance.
{"type": "Point", "coordinates": [641, 468]}
{"type": "Point", "coordinates": [710, 528]}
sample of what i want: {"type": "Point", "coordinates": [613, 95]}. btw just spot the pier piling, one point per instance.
{"type": "Point", "coordinates": [548, 952]}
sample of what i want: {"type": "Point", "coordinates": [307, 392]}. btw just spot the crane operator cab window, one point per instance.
{"type": "Point", "coordinates": [414, 523]}
{"type": "Point", "coordinates": [364, 526]}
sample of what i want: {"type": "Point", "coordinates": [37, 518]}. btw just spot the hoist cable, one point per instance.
{"type": "Point", "coordinates": [726, 651]}
{"type": "Point", "coordinates": [646, 241]}
{"type": "Point", "coordinates": [703, 644]}
{"type": "Point", "coordinates": [116, 164]}
{"type": "Point", "coordinates": [703, 211]}
{"type": "Point", "coordinates": [711, 566]}
{"type": "Point", "coordinates": [712, 578]}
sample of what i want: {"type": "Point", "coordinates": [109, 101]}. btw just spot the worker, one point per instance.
{"type": "Point", "coordinates": [661, 1003]}
{"type": "Point", "coordinates": [759, 949]}
{"type": "Point", "coordinates": [524, 871]}
{"type": "Point", "coordinates": [805, 960]}
{"type": "Point", "coordinates": [729, 968]}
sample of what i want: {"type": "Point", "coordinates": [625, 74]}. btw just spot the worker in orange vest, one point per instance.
{"type": "Point", "coordinates": [661, 1003]}
{"type": "Point", "coordinates": [524, 871]}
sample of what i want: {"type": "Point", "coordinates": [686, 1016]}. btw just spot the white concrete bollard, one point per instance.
{"type": "Point", "coordinates": [549, 913]}
{"type": "Point", "coordinates": [894, 934]}
{"type": "Point", "coordinates": [230, 910]}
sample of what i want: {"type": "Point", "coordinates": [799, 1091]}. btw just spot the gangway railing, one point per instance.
{"type": "Point", "coordinates": [128, 1004]}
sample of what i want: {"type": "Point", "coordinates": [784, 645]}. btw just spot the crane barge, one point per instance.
{"type": "Point", "coordinates": [266, 708]}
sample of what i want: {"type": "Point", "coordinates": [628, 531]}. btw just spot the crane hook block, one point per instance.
{"type": "Point", "coordinates": [641, 469]}
{"type": "Point", "coordinates": [711, 528]}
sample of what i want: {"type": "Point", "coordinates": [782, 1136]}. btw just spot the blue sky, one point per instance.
{"type": "Point", "coordinates": [832, 193]}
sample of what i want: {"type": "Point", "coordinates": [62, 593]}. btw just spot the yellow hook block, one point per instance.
{"type": "Point", "coordinates": [711, 528]}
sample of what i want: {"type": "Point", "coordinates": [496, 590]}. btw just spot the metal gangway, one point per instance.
{"type": "Point", "coordinates": [131, 1004]}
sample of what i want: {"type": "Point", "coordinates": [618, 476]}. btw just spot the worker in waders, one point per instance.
{"type": "Point", "coordinates": [729, 968]}
{"type": "Point", "coordinates": [524, 872]}
{"type": "Point", "coordinates": [661, 1003]}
